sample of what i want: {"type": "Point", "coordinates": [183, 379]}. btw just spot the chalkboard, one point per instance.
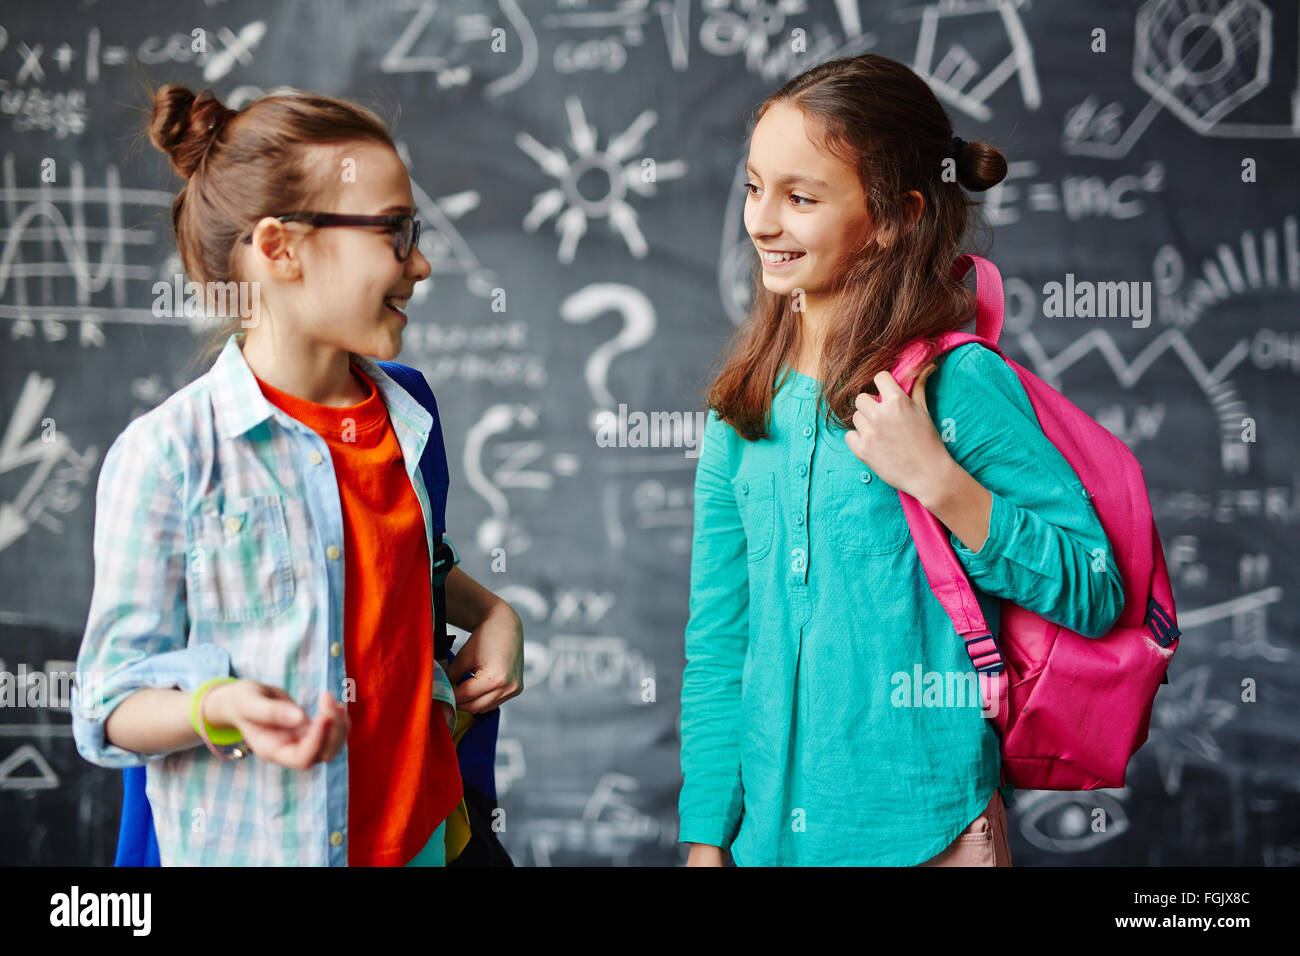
{"type": "Point", "coordinates": [1153, 143]}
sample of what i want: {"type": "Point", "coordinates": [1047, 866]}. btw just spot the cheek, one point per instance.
{"type": "Point", "coordinates": [819, 235]}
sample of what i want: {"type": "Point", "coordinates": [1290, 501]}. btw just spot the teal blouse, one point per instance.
{"type": "Point", "coordinates": [804, 739]}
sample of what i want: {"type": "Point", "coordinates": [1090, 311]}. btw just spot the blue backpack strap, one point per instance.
{"type": "Point", "coordinates": [433, 468]}
{"type": "Point", "coordinates": [478, 745]}
{"type": "Point", "coordinates": [433, 463]}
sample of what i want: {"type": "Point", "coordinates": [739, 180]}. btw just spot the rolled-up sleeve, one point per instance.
{"type": "Point", "coordinates": [1046, 549]}
{"type": "Point", "coordinates": [717, 636]}
{"type": "Point", "coordinates": [136, 632]}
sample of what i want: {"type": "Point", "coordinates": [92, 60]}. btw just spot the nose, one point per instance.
{"type": "Point", "coordinates": [761, 219]}
{"type": "Point", "coordinates": [417, 266]}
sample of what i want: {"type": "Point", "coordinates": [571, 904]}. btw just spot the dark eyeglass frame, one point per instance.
{"type": "Point", "coordinates": [406, 227]}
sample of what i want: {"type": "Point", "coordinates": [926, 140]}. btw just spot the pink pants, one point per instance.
{"type": "Point", "coordinates": [983, 843]}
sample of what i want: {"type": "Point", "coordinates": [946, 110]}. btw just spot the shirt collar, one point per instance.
{"type": "Point", "coordinates": [239, 405]}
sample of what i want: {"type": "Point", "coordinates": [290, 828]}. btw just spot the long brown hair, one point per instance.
{"type": "Point", "coordinates": [879, 117]}
{"type": "Point", "coordinates": [241, 165]}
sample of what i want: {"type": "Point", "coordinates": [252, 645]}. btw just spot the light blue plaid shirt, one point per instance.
{"type": "Point", "coordinates": [219, 552]}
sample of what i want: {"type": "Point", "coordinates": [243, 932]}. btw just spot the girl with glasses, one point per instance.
{"type": "Point", "coordinates": [263, 539]}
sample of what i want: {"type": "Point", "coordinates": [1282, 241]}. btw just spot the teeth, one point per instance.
{"type": "Point", "coordinates": [781, 256]}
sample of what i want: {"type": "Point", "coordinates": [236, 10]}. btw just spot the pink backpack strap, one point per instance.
{"type": "Point", "coordinates": [988, 295]}
{"type": "Point", "coordinates": [944, 573]}
{"type": "Point", "coordinates": [948, 581]}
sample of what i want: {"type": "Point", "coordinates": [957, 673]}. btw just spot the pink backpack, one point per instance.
{"type": "Point", "coordinates": [1072, 710]}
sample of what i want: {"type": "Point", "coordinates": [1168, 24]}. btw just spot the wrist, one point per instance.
{"type": "Point", "coordinates": [214, 707]}
{"type": "Point", "coordinates": [705, 851]}
{"type": "Point", "coordinates": [942, 480]}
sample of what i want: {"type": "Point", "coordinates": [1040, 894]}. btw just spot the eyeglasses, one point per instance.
{"type": "Point", "coordinates": [406, 228]}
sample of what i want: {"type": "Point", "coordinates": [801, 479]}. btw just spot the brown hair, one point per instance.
{"type": "Point", "coordinates": [879, 117]}
{"type": "Point", "coordinates": [241, 165]}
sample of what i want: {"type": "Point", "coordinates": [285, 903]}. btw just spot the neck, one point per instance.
{"type": "Point", "coordinates": [813, 321]}
{"type": "Point", "coordinates": [308, 370]}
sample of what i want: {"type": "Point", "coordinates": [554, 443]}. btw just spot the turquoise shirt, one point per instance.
{"type": "Point", "coordinates": [804, 741]}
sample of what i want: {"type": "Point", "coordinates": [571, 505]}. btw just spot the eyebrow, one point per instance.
{"type": "Point", "coordinates": [399, 208]}
{"type": "Point", "coordinates": [806, 180]}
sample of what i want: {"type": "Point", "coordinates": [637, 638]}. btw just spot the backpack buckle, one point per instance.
{"type": "Point", "coordinates": [984, 653]}
{"type": "Point", "coordinates": [443, 561]}
{"type": "Point", "coordinates": [1160, 623]}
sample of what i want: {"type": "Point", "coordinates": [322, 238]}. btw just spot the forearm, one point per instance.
{"type": "Point", "coordinates": [154, 720]}
{"type": "Point", "coordinates": [1045, 563]}
{"type": "Point", "coordinates": [961, 503]}
{"type": "Point", "coordinates": [469, 604]}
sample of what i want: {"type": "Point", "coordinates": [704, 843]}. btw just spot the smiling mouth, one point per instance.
{"type": "Point", "coordinates": [393, 302]}
{"type": "Point", "coordinates": [780, 258]}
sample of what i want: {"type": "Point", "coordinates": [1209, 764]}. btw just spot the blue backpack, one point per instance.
{"type": "Point", "coordinates": [137, 844]}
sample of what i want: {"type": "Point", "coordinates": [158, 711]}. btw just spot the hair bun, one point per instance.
{"type": "Point", "coordinates": [980, 166]}
{"type": "Point", "coordinates": [184, 125]}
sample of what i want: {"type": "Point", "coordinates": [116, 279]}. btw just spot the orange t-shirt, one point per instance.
{"type": "Point", "coordinates": [403, 776]}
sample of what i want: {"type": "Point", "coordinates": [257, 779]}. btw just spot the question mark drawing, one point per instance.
{"type": "Point", "coordinates": [500, 418]}
{"type": "Point", "coordinates": [638, 328]}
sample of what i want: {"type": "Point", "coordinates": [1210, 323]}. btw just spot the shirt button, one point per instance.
{"type": "Point", "coordinates": [807, 431]}
{"type": "Point", "coordinates": [803, 470]}
{"type": "Point", "coordinates": [336, 838]}
{"type": "Point", "coordinates": [315, 457]}
{"type": "Point", "coordinates": [334, 649]}
{"type": "Point", "coordinates": [866, 477]}
{"type": "Point", "coordinates": [332, 552]}
{"type": "Point", "coordinates": [744, 489]}
{"type": "Point", "coordinates": [233, 524]}
{"type": "Point", "coordinates": [798, 519]}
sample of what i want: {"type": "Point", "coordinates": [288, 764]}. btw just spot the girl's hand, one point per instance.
{"type": "Point", "coordinates": [277, 729]}
{"type": "Point", "coordinates": [340, 725]}
{"type": "Point", "coordinates": [495, 653]}
{"type": "Point", "coordinates": [895, 438]}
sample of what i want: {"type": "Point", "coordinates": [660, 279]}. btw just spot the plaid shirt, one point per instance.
{"type": "Point", "coordinates": [218, 552]}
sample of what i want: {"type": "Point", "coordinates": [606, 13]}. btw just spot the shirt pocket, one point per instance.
{"type": "Point", "coordinates": [756, 498]}
{"type": "Point", "coordinates": [863, 514]}
{"type": "Point", "coordinates": [239, 564]}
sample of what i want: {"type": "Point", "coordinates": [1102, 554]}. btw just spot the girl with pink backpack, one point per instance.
{"type": "Point", "coordinates": [905, 601]}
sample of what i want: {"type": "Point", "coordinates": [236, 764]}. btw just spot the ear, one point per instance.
{"type": "Point", "coordinates": [914, 203]}
{"type": "Point", "coordinates": [275, 249]}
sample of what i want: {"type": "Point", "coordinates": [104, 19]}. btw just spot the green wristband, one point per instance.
{"type": "Point", "coordinates": [218, 735]}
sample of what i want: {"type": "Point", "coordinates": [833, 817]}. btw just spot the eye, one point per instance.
{"type": "Point", "coordinates": [803, 200]}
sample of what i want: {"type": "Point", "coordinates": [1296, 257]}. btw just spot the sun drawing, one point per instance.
{"type": "Point", "coordinates": [596, 184]}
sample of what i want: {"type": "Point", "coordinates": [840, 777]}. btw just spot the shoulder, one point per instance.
{"type": "Point", "coordinates": [719, 449]}
{"type": "Point", "coordinates": [721, 434]}
{"type": "Point", "coordinates": [973, 377]}
{"type": "Point", "coordinates": [969, 359]}
{"type": "Point", "coordinates": [166, 437]}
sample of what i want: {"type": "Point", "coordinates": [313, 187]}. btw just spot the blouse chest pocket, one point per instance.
{"type": "Point", "coordinates": [756, 498]}
{"type": "Point", "coordinates": [239, 565]}
{"type": "Point", "coordinates": [862, 514]}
